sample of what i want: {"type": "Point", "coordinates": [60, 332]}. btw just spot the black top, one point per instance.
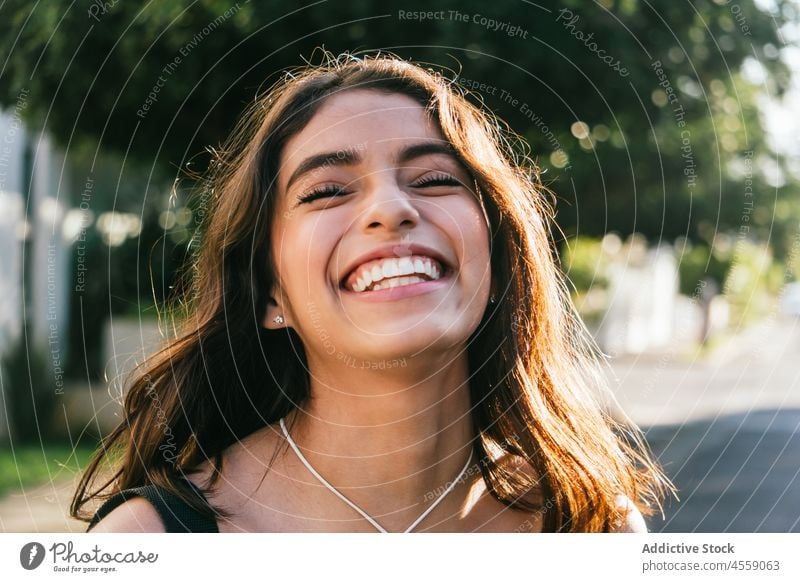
{"type": "Point", "coordinates": [177, 516]}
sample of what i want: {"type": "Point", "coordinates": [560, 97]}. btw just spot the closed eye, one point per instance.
{"type": "Point", "coordinates": [436, 180]}
{"type": "Point", "coordinates": [333, 190]}
{"type": "Point", "coordinates": [323, 192]}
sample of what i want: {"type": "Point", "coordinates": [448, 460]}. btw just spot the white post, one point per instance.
{"type": "Point", "coordinates": [13, 228]}
{"type": "Point", "coordinates": [50, 267]}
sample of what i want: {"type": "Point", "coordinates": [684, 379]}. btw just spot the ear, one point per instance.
{"type": "Point", "coordinates": [275, 311]}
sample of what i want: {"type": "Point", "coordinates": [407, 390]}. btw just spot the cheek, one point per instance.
{"type": "Point", "coordinates": [303, 251]}
{"type": "Point", "coordinates": [472, 236]}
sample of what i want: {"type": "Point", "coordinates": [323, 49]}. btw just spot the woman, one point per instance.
{"type": "Point", "coordinates": [376, 336]}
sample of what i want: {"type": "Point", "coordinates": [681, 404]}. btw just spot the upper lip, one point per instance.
{"type": "Point", "coordinates": [395, 250]}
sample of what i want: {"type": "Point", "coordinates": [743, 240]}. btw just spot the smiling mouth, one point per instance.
{"type": "Point", "coordinates": [392, 272]}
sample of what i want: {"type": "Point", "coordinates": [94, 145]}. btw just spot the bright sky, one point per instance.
{"type": "Point", "coordinates": [782, 118]}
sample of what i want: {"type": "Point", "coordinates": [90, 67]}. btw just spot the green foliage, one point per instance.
{"type": "Point", "coordinates": [30, 390]}
{"type": "Point", "coordinates": [744, 272]}
{"type": "Point", "coordinates": [775, 278]}
{"type": "Point", "coordinates": [748, 281]}
{"type": "Point", "coordinates": [700, 263]}
{"type": "Point", "coordinates": [585, 263]}
{"type": "Point", "coordinates": [793, 260]}
{"type": "Point", "coordinates": [113, 79]}
{"type": "Point", "coordinates": [27, 466]}
{"type": "Point", "coordinates": [128, 279]}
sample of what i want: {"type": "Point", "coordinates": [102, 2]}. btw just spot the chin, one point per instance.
{"type": "Point", "coordinates": [415, 340]}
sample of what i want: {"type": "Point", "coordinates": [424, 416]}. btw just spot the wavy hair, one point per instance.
{"type": "Point", "coordinates": [536, 378]}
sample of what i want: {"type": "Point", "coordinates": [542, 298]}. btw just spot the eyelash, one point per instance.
{"type": "Point", "coordinates": [331, 190]}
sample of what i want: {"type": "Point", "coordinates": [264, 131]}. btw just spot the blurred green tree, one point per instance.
{"type": "Point", "coordinates": [636, 109]}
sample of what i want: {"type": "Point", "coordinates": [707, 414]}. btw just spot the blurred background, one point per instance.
{"type": "Point", "coordinates": [668, 132]}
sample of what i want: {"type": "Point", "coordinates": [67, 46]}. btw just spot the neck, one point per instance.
{"type": "Point", "coordinates": [390, 440]}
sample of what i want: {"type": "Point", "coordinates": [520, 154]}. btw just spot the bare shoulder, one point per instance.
{"type": "Point", "coordinates": [517, 464]}
{"type": "Point", "coordinates": [499, 517]}
{"type": "Point", "coordinates": [136, 515]}
{"type": "Point", "coordinates": [633, 521]}
{"type": "Point", "coordinates": [243, 464]}
{"type": "Point", "coordinates": [245, 488]}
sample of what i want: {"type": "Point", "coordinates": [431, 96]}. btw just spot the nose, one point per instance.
{"type": "Point", "coordinates": [388, 206]}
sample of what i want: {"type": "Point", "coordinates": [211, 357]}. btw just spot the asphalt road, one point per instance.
{"type": "Point", "coordinates": [735, 473]}
{"type": "Point", "coordinates": [726, 430]}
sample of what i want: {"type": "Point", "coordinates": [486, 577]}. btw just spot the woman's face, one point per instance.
{"type": "Point", "coordinates": [380, 244]}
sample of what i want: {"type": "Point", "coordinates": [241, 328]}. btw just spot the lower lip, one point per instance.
{"type": "Point", "coordinates": [401, 292]}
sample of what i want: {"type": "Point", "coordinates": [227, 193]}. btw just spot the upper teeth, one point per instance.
{"type": "Point", "coordinates": [373, 272]}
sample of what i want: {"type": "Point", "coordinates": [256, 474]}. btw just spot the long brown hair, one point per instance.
{"type": "Point", "coordinates": [535, 374]}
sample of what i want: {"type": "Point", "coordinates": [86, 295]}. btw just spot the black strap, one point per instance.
{"type": "Point", "coordinates": [177, 516]}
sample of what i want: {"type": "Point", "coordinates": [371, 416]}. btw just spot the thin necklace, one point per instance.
{"type": "Point", "coordinates": [363, 513]}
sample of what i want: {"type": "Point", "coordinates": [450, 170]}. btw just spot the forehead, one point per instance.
{"type": "Point", "coordinates": [361, 120]}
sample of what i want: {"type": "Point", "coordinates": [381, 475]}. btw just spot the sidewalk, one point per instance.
{"type": "Point", "coordinates": [42, 509]}
{"type": "Point", "coordinates": [753, 370]}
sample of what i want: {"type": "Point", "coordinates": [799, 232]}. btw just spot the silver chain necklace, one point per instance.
{"type": "Point", "coordinates": [363, 513]}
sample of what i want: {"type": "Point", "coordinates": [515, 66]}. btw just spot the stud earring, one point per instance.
{"type": "Point", "coordinates": [278, 319]}
{"type": "Point", "coordinates": [492, 299]}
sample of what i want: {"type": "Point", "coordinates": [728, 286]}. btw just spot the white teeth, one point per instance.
{"type": "Point", "coordinates": [397, 282]}
{"type": "Point", "coordinates": [405, 266]}
{"type": "Point", "coordinates": [390, 269]}
{"type": "Point", "coordinates": [394, 272]}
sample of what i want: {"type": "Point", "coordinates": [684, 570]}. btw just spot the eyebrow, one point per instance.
{"type": "Point", "coordinates": [351, 157]}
